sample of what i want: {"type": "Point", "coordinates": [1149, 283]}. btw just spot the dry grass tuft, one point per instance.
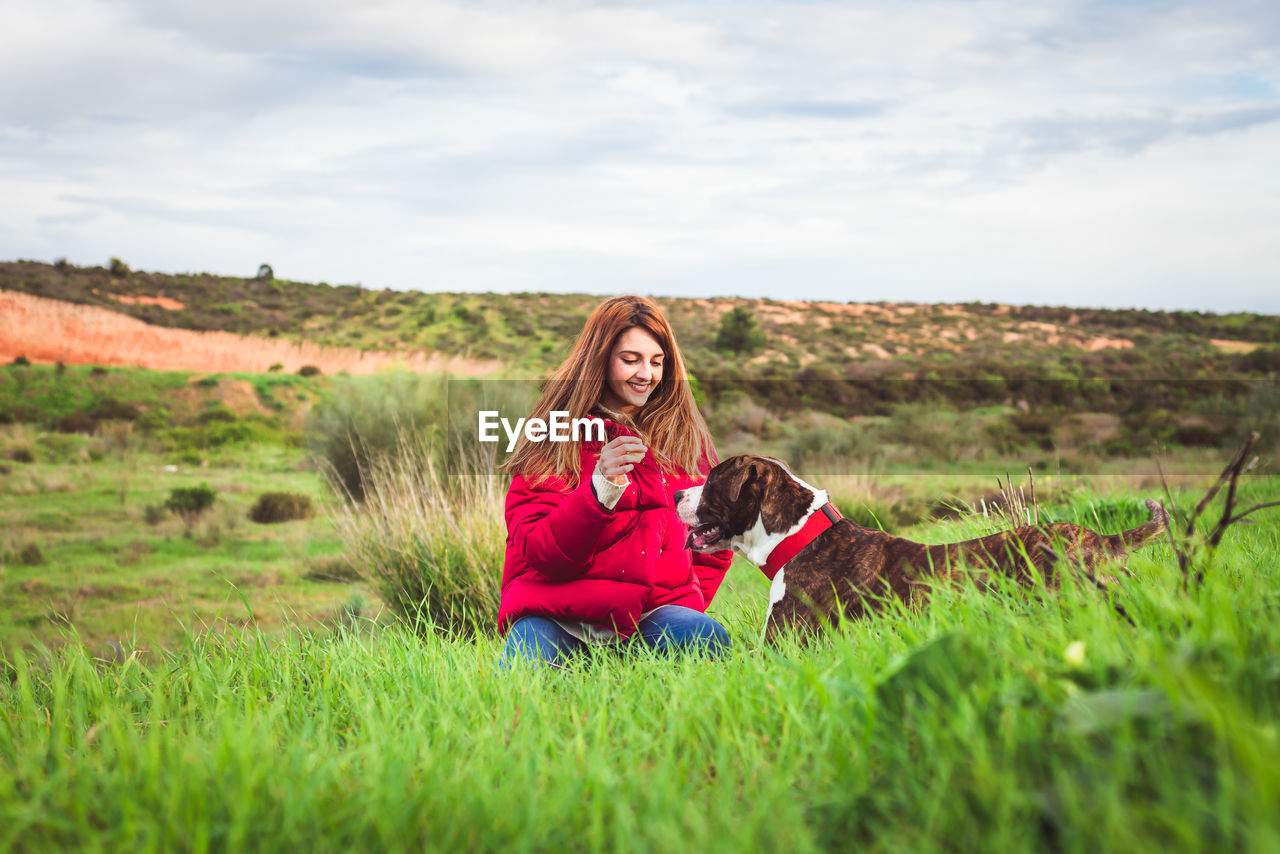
{"type": "Point", "coordinates": [431, 544]}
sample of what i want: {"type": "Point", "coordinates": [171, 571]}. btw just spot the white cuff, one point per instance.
{"type": "Point", "coordinates": [607, 492]}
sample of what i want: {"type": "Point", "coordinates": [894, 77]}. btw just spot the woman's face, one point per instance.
{"type": "Point", "coordinates": [635, 369]}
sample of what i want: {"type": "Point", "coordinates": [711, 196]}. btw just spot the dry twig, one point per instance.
{"type": "Point", "coordinates": [1240, 463]}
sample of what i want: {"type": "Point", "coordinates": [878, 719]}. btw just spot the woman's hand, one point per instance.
{"type": "Point", "coordinates": [619, 457]}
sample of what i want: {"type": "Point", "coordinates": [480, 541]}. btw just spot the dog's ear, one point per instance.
{"type": "Point", "coordinates": [750, 471]}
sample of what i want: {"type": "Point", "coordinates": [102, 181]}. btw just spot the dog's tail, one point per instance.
{"type": "Point", "coordinates": [1143, 534]}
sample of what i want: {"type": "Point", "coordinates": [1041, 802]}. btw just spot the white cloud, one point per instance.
{"type": "Point", "coordinates": [1082, 153]}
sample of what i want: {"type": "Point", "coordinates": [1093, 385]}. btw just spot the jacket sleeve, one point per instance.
{"type": "Point", "coordinates": [710, 570]}
{"type": "Point", "coordinates": [555, 531]}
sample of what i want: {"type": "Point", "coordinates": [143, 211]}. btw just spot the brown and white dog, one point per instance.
{"type": "Point", "coordinates": [822, 563]}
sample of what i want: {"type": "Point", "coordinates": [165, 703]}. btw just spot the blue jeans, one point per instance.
{"type": "Point", "coordinates": [669, 630]}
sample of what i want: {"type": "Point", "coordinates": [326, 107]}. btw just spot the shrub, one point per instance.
{"type": "Point", "coordinates": [110, 409]}
{"type": "Point", "coordinates": [276, 367]}
{"type": "Point", "coordinates": [77, 422]}
{"type": "Point", "coordinates": [153, 514]}
{"type": "Point", "coordinates": [154, 419]}
{"type": "Point", "coordinates": [272, 507]}
{"type": "Point", "coordinates": [97, 371]}
{"type": "Point", "coordinates": [332, 568]}
{"type": "Point", "coordinates": [30, 555]}
{"type": "Point", "coordinates": [21, 362]}
{"type": "Point", "coordinates": [189, 503]}
{"type": "Point", "coordinates": [364, 419]}
{"type": "Point", "coordinates": [216, 412]}
{"type": "Point", "coordinates": [21, 454]}
{"type": "Point", "coordinates": [739, 331]}
{"type": "Point", "coordinates": [118, 268]}
{"type": "Point", "coordinates": [308, 371]}
{"type": "Point", "coordinates": [433, 553]}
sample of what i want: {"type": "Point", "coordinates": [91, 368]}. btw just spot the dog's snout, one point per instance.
{"type": "Point", "coordinates": [679, 496]}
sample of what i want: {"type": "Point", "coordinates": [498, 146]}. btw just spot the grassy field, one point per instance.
{"type": "Point", "coordinates": [87, 551]}
{"type": "Point", "coordinates": [1012, 719]}
{"type": "Point", "coordinates": [226, 685]}
{"type": "Point", "coordinates": [78, 552]}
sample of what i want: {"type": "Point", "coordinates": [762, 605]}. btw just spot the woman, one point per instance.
{"type": "Point", "coordinates": [595, 552]}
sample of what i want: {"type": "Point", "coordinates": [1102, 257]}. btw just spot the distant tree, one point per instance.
{"type": "Point", "coordinates": [739, 331]}
{"type": "Point", "coordinates": [190, 503]}
{"type": "Point", "coordinates": [118, 268]}
{"type": "Point", "coordinates": [265, 273]}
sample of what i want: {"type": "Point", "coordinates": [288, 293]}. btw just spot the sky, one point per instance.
{"type": "Point", "coordinates": [1111, 154]}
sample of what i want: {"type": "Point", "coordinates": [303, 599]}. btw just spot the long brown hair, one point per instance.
{"type": "Point", "coordinates": [669, 422]}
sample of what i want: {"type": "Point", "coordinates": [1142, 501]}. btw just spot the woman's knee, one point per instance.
{"type": "Point", "coordinates": [685, 629]}
{"type": "Point", "coordinates": [536, 640]}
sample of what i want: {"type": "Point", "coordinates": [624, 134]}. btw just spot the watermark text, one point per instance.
{"type": "Point", "coordinates": [559, 427]}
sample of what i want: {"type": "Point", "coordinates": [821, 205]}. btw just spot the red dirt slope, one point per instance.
{"type": "Point", "coordinates": [46, 330]}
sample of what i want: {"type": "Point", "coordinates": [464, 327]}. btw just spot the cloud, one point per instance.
{"type": "Point", "coordinates": [876, 149]}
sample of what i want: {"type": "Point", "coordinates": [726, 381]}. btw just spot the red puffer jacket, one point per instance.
{"type": "Point", "coordinates": [570, 558]}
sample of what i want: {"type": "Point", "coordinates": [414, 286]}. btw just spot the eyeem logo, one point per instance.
{"type": "Point", "coordinates": [560, 428]}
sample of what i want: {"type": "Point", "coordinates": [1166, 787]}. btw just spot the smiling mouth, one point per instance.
{"type": "Point", "coordinates": [639, 389]}
{"type": "Point", "coordinates": [702, 536]}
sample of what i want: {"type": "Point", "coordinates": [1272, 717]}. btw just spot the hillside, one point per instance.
{"type": "Point", "coordinates": [528, 329]}
{"type": "Point", "coordinates": [1190, 377]}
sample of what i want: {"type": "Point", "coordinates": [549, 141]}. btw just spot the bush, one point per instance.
{"type": "Point", "coordinates": [110, 409]}
{"type": "Point", "coordinates": [363, 422]}
{"type": "Point", "coordinates": [308, 371]}
{"type": "Point", "coordinates": [21, 362]}
{"type": "Point", "coordinates": [153, 514]}
{"type": "Point", "coordinates": [77, 422]}
{"type": "Point", "coordinates": [21, 454]}
{"type": "Point", "coordinates": [118, 268]}
{"type": "Point", "coordinates": [433, 553]}
{"type": "Point", "coordinates": [739, 332]}
{"type": "Point", "coordinates": [216, 412]}
{"type": "Point", "coordinates": [273, 507]}
{"type": "Point", "coordinates": [154, 419]}
{"type": "Point", "coordinates": [332, 568]}
{"type": "Point", "coordinates": [30, 555]}
{"type": "Point", "coordinates": [276, 367]}
{"type": "Point", "coordinates": [189, 503]}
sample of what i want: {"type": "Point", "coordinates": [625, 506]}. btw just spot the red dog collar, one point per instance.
{"type": "Point", "coordinates": [784, 551]}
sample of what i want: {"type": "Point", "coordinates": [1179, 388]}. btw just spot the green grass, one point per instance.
{"type": "Point", "coordinates": [960, 725]}
{"type": "Point", "coordinates": [161, 692]}
{"type": "Point", "coordinates": [114, 576]}
{"type": "Point", "coordinates": [46, 392]}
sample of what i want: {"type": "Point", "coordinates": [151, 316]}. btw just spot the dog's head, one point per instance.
{"type": "Point", "coordinates": [743, 494]}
